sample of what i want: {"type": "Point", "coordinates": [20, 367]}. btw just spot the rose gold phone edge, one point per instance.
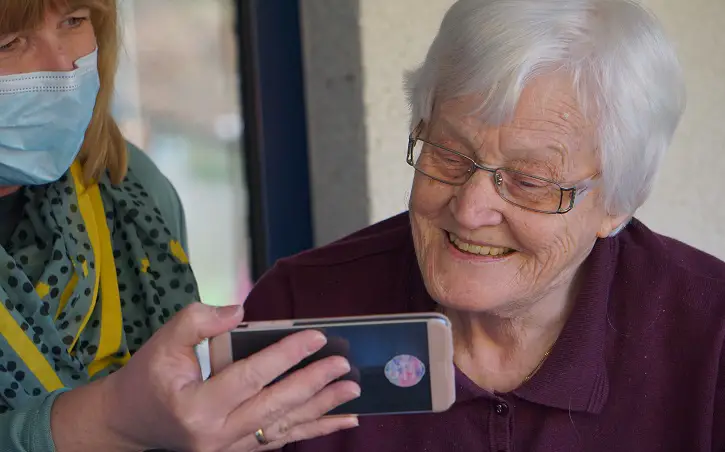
{"type": "Point", "coordinates": [440, 347]}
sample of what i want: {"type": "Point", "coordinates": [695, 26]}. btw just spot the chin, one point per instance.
{"type": "Point", "coordinates": [465, 280]}
{"type": "Point", "coordinates": [476, 285]}
{"type": "Point", "coordinates": [463, 296]}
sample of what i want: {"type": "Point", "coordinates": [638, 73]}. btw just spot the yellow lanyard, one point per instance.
{"type": "Point", "coordinates": [90, 205]}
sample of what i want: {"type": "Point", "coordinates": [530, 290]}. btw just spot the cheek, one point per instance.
{"type": "Point", "coordinates": [429, 198]}
{"type": "Point", "coordinates": [556, 246]}
{"type": "Point", "coordinates": [544, 243]}
{"type": "Point", "coordinates": [428, 210]}
{"type": "Point", "coordinates": [84, 42]}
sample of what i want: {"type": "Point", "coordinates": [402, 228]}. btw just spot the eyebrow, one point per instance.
{"type": "Point", "coordinates": [533, 153]}
{"type": "Point", "coordinates": [72, 9]}
{"type": "Point", "coordinates": [555, 172]}
{"type": "Point", "coordinates": [449, 127]}
{"type": "Point", "coordinates": [530, 152]}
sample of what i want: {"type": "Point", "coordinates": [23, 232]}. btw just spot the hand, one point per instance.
{"type": "Point", "coordinates": [158, 400]}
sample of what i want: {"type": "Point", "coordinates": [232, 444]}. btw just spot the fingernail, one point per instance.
{"type": "Point", "coordinates": [225, 312]}
{"type": "Point", "coordinates": [355, 391]}
{"type": "Point", "coordinates": [348, 420]}
{"type": "Point", "coordinates": [342, 366]}
{"type": "Point", "coordinates": [317, 341]}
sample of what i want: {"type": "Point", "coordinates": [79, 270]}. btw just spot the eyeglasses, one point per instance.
{"type": "Point", "coordinates": [524, 190]}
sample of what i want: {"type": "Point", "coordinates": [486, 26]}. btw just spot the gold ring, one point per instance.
{"type": "Point", "coordinates": [261, 439]}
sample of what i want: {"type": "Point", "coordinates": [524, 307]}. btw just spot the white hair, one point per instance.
{"type": "Point", "coordinates": [625, 71]}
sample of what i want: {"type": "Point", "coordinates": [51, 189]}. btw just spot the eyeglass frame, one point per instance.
{"type": "Point", "coordinates": [578, 190]}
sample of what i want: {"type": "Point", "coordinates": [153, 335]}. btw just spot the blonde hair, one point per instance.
{"type": "Point", "coordinates": [104, 147]}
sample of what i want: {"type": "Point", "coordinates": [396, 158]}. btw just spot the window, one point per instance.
{"type": "Point", "coordinates": [178, 100]}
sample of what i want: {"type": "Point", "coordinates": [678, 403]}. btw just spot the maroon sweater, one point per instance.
{"type": "Point", "coordinates": [638, 367]}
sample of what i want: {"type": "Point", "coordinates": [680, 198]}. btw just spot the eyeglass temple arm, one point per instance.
{"type": "Point", "coordinates": [581, 190]}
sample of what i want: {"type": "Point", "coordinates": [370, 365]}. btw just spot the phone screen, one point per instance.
{"type": "Point", "coordinates": [389, 360]}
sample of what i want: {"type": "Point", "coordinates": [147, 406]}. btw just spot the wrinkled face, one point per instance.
{"type": "Point", "coordinates": [478, 252]}
{"type": "Point", "coordinates": [63, 37]}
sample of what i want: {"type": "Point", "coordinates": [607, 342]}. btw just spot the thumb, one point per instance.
{"type": "Point", "coordinates": [199, 321]}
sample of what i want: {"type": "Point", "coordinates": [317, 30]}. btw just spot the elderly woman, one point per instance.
{"type": "Point", "coordinates": [93, 268]}
{"type": "Point", "coordinates": [538, 127]}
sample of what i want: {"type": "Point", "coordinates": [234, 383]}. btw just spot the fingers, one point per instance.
{"type": "Point", "coordinates": [314, 429]}
{"type": "Point", "coordinates": [275, 402]}
{"type": "Point", "coordinates": [244, 379]}
{"type": "Point", "coordinates": [198, 321]}
{"type": "Point", "coordinates": [319, 405]}
{"type": "Point", "coordinates": [305, 421]}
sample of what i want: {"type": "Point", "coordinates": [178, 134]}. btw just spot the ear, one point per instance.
{"type": "Point", "coordinates": [612, 223]}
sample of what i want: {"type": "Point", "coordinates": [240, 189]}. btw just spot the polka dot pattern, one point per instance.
{"type": "Point", "coordinates": [48, 272]}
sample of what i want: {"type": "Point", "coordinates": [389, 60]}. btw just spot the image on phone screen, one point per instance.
{"type": "Point", "coordinates": [390, 361]}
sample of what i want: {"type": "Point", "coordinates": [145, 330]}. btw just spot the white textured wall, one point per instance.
{"type": "Point", "coordinates": [393, 37]}
{"type": "Point", "coordinates": [336, 117]}
{"type": "Point", "coordinates": [688, 201]}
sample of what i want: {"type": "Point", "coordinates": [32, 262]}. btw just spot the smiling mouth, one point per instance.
{"type": "Point", "coordinates": [479, 250]}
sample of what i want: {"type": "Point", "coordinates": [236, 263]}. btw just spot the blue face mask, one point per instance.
{"type": "Point", "coordinates": [43, 121]}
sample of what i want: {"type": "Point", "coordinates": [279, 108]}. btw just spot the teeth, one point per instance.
{"type": "Point", "coordinates": [477, 249]}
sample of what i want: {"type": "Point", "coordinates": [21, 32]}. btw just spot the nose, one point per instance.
{"type": "Point", "coordinates": [476, 203]}
{"type": "Point", "coordinates": [53, 55]}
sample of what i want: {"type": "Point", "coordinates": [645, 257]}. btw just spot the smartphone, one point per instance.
{"type": "Point", "coordinates": [403, 363]}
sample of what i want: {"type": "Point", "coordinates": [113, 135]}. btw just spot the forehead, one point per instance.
{"type": "Point", "coordinates": [547, 122]}
{"type": "Point", "coordinates": [20, 15]}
